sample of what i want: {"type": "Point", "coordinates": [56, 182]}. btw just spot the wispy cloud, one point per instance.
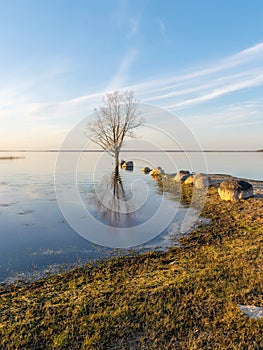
{"type": "Point", "coordinates": [238, 115]}
{"type": "Point", "coordinates": [176, 92]}
{"type": "Point", "coordinates": [121, 75]}
{"type": "Point", "coordinates": [220, 91]}
{"type": "Point", "coordinates": [126, 20]}
{"type": "Point", "coordinates": [237, 72]}
{"type": "Point", "coordinates": [243, 61]}
{"type": "Point", "coordinates": [179, 91]}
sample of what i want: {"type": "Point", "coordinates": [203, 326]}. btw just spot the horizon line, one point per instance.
{"type": "Point", "coordinates": [125, 150]}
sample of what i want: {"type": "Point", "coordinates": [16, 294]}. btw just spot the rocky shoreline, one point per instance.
{"type": "Point", "coordinates": [184, 176]}
{"type": "Point", "coordinates": [204, 294]}
{"type": "Point", "coordinates": [219, 178]}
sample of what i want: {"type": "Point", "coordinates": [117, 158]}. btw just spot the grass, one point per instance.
{"type": "Point", "coordinates": [10, 157]}
{"type": "Point", "coordinates": [185, 298]}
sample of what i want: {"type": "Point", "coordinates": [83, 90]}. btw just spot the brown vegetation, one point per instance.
{"type": "Point", "coordinates": [185, 298]}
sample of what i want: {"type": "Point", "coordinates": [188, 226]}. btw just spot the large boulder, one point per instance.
{"type": "Point", "coordinates": [201, 181]}
{"type": "Point", "coordinates": [182, 175]}
{"type": "Point", "coordinates": [189, 180]}
{"type": "Point", "coordinates": [156, 174]}
{"type": "Point", "coordinates": [233, 190]}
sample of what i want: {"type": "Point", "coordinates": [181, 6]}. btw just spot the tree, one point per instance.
{"type": "Point", "coordinates": [115, 120]}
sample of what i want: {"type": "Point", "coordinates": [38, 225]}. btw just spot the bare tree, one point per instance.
{"type": "Point", "coordinates": [115, 120]}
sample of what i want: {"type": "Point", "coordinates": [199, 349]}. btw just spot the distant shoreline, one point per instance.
{"type": "Point", "coordinates": [10, 158]}
{"type": "Point", "coordinates": [130, 150]}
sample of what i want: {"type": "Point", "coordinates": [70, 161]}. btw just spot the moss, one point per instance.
{"type": "Point", "coordinates": [185, 298]}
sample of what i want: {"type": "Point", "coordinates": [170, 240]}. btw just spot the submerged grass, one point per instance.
{"type": "Point", "coordinates": [186, 298]}
{"type": "Point", "coordinates": [10, 157]}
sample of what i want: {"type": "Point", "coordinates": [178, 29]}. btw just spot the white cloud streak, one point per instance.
{"type": "Point", "coordinates": [123, 70]}
{"type": "Point", "coordinates": [207, 83]}
{"type": "Point", "coordinates": [226, 89]}
{"type": "Point", "coordinates": [180, 91]}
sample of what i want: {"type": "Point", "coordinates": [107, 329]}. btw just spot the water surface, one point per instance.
{"type": "Point", "coordinates": [34, 234]}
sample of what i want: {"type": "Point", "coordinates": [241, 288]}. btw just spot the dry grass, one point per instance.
{"type": "Point", "coordinates": [145, 302]}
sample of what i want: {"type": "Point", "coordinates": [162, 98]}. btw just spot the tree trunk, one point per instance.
{"type": "Point", "coordinates": [116, 162]}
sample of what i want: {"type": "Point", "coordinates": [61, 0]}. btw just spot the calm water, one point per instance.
{"type": "Point", "coordinates": [34, 235]}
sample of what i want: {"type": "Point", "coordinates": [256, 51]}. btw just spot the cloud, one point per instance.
{"type": "Point", "coordinates": [125, 20]}
{"type": "Point", "coordinates": [247, 59]}
{"type": "Point", "coordinates": [174, 93]}
{"type": "Point", "coordinates": [122, 73]}
{"type": "Point", "coordinates": [182, 90]}
{"type": "Point", "coordinates": [248, 53]}
{"type": "Point", "coordinates": [238, 115]}
{"type": "Point", "coordinates": [226, 89]}
{"type": "Point", "coordinates": [202, 85]}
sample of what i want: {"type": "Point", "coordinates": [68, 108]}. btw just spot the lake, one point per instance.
{"type": "Point", "coordinates": [102, 215]}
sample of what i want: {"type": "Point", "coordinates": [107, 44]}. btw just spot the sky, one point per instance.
{"type": "Point", "coordinates": [201, 61]}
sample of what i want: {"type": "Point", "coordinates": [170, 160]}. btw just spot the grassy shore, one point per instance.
{"type": "Point", "coordinates": [186, 298]}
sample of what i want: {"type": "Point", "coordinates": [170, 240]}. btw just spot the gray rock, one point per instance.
{"type": "Point", "coordinates": [233, 190]}
{"type": "Point", "coordinates": [201, 181]}
{"type": "Point", "coordinates": [160, 169]}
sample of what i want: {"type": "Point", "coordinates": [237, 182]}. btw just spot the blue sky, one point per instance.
{"type": "Point", "coordinates": [200, 60]}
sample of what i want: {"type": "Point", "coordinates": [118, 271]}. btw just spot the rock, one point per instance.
{"type": "Point", "coordinates": [189, 180]}
{"type": "Point", "coordinates": [252, 311]}
{"type": "Point", "coordinates": [233, 190]}
{"type": "Point", "coordinates": [146, 170]}
{"type": "Point", "coordinates": [160, 169]}
{"type": "Point", "coordinates": [201, 181]}
{"type": "Point", "coordinates": [156, 174]}
{"type": "Point", "coordinates": [182, 175]}
{"type": "Point", "coordinates": [127, 165]}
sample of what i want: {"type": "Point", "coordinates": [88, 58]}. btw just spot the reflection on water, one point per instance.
{"type": "Point", "coordinates": [34, 235]}
{"type": "Point", "coordinates": [33, 232]}
{"type": "Point", "coordinates": [113, 203]}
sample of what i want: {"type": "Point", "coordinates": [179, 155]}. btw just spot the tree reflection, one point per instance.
{"type": "Point", "coordinates": [112, 203]}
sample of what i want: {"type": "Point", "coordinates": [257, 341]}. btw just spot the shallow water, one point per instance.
{"type": "Point", "coordinates": [35, 236]}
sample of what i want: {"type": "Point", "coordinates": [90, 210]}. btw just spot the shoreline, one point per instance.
{"type": "Point", "coordinates": [56, 269]}
{"type": "Point", "coordinates": [187, 297]}
{"type": "Point", "coordinates": [131, 150]}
